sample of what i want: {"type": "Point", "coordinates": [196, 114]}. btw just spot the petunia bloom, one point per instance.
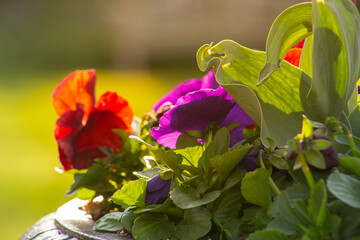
{"type": "Point", "coordinates": [157, 190]}
{"type": "Point", "coordinates": [195, 111]}
{"type": "Point", "coordinates": [84, 125]}
{"type": "Point", "coordinates": [208, 81]}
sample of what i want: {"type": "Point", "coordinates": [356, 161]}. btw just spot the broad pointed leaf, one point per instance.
{"type": "Point", "coordinates": [335, 57]}
{"type": "Point", "coordinates": [277, 105]}
{"type": "Point", "coordinates": [186, 198]}
{"type": "Point", "coordinates": [306, 56]}
{"type": "Point", "coordinates": [131, 194]}
{"type": "Point", "coordinates": [197, 223]}
{"type": "Point", "coordinates": [289, 28]}
{"type": "Point", "coordinates": [226, 162]}
{"type": "Point", "coordinates": [255, 187]}
{"type": "Point", "coordinates": [153, 226]}
{"type": "Point", "coordinates": [345, 188]}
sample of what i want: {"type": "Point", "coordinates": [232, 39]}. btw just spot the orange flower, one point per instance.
{"type": "Point", "coordinates": [83, 126]}
{"type": "Point", "coordinates": [293, 55]}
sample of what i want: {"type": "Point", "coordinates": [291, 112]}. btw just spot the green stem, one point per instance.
{"type": "Point", "coordinates": [350, 139]}
{"type": "Point", "coordinates": [209, 137]}
{"type": "Point", "coordinates": [305, 167]}
{"type": "Point", "coordinates": [272, 183]}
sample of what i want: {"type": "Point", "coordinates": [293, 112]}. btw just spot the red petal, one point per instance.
{"type": "Point", "coordinates": [98, 131]}
{"type": "Point", "coordinates": [64, 161]}
{"type": "Point", "coordinates": [66, 130]}
{"type": "Point", "coordinates": [77, 88]}
{"type": "Point", "coordinates": [300, 44]}
{"type": "Point", "coordinates": [112, 102]}
{"type": "Point", "coordinates": [293, 56]}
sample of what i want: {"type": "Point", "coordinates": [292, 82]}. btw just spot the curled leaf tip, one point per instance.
{"type": "Point", "coordinates": [266, 72]}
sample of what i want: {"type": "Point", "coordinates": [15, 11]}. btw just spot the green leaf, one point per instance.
{"type": "Point", "coordinates": [197, 223]}
{"type": "Point", "coordinates": [345, 188]}
{"type": "Point", "coordinates": [283, 226]}
{"type": "Point", "coordinates": [255, 187]}
{"type": "Point", "coordinates": [195, 133]}
{"type": "Point", "coordinates": [289, 28]}
{"type": "Point", "coordinates": [205, 160]}
{"type": "Point", "coordinates": [306, 128]}
{"type": "Point", "coordinates": [147, 174]}
{"type": "Point", "coordinates": [128, 218]}
{"type": "Point", "coordinates": [285, 219]}
{"type": "Point", "coordinates": [153, 226]}
{"type": "Point", "coordinates": [226, 162]}
{"type": "Point", "coordinates": [343, 139]}
{"type": "Point", "coordinates": [277, 105]}
{"type": "Point", "coordinates": [315, 158]}
{"type": "Point", "coordinates": [335, 57]}
{"type": "Point", "coordinates": [350, 219]}
{"type": "Point", "coordinates": [109, 223]}
{"type": "Point", "coordinates": [124, 136]}
{"type": "Point", "coordinates": [306, 56]}
{"type": "Point", "coordinates": [85, 194]}
{"type": "Point", "coordinates": [91, 177]}
{"type": "Point", "coordinates": [186, 198]}
{"type": "Point", "coordinates": [167, 208]}
{"type": "Point", "coordinates": [131, 194]}
{"type": "Point", "coordinates": [268, 235]}
{"type": "Point", "coordinates": [317, 208]}
{"type": "Point", "coordinates": [222, 139]}
{"type": "Point", "coordinates": [354, 119]}
{"type": "Point", "coordinates": [185, 140]}
{"type": "Point", "coordinates": [234, 178]}
{"type": "Point", "coordinates": [351, 164]}
{"type": "Point", "coordinates": [169, 158]}
{"type": "Point", "coordinates": [297, 192]}
{"type": "Point", "coordinates": [227, 206]}
{"type": "Point", "coordinates": [191, 155]}
{"type": "Point", "coordinates": [278, 162]}
{"type": "Point", "coordinates": [321, 144]}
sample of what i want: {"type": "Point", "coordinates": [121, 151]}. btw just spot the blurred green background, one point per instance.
{"type": "Point", "coordinates": [141, 49]}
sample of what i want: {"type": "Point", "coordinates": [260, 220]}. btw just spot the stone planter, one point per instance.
{"type": "Point", "coordinates": [68, 223]}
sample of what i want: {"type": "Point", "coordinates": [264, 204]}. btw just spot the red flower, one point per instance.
{"type": "Point", "coordinates": [83, 126]}
{"type": "Point", "coordinates": [294, 54]}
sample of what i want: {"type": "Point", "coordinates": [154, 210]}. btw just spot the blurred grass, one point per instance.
{"type": "Point", "coordinates": [29, 186]}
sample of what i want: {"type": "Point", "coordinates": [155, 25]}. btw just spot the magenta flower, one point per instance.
{"type": "Point", "coordinates": [208, 81]}
{"type": "Point", "coordinates": [195, 111]}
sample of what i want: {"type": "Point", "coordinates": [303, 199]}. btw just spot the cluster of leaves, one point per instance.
{"type": "Point", "coordinates": [108, 174]}
{"type": "Point", "coordinates": [213, 197]}
{"type": "Point", "coordinates": [307, 178]}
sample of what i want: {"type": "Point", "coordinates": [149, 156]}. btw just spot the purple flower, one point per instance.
{"type": "Point", "coordinates": [157, 190]}
{"type": "Point", "coordinates": [195, 111]}
{"type": "Point", "coordinates": [250, 158]}
{"type": "Point", "coordinates": [208, 81]}
{"type": "Point", "coordinates": [330, 155]}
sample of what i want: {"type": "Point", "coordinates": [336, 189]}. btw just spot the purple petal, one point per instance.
{"type": "Point", "coordinates": [157, 190]}
{"type": "Point", "coordinates": [237, 115]}
{"type": "Point", "coordinates": [249, 160]}
{"type": "Point", "coordinates": [195, 111]}
{"type": "Point", "coordinates": [330, 155]}
{"type": "Point", "coordinates": [208, 81]}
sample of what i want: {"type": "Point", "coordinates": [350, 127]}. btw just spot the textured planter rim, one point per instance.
{"type": "Point", "coordinates": [74, 222]}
